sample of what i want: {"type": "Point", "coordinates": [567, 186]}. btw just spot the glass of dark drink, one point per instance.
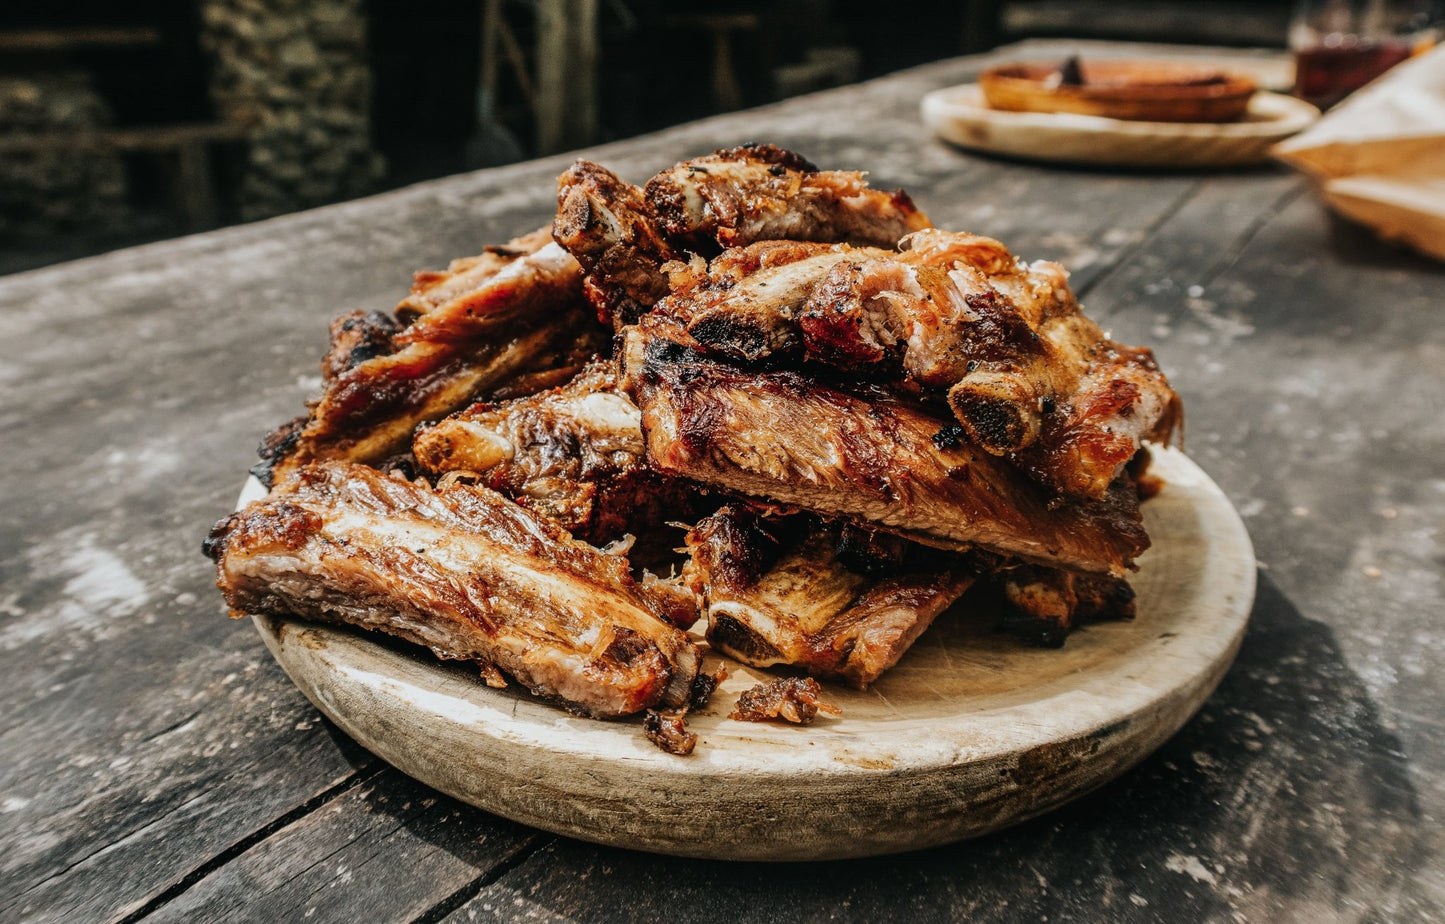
{"type": "Point", "coordinates": [1341, 45]}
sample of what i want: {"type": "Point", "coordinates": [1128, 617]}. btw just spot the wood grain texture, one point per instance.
{"type": "Point", "coordinates": [971, 732]}
{"type": "Point", "coordinates": [309, 864]}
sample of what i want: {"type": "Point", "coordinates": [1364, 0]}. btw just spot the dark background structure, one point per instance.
{"type": "Point", "coordinates": [127, 122]}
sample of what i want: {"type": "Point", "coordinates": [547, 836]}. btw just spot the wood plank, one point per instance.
{"type": "Point", "coordinates": [119, 635]}
{"type": "Point", "coordinates": [155, 138]}
{"type": "Point", "coordinates": [1312, 361]}
{"type": "Point", "coordinates": [194, 766]}
{"type": "Point", "coordinates": [389, 849]}
{"type": "Point", "coordinates": [47, 40]}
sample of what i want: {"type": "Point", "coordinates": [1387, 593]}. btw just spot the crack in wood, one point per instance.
{"type": "Point", "coordinates": [1252, 230]}
{"type": "Point", "coordinates": [1126, 254]}
{"type": "Point", "coordinates": [174, 726]}
{"type": "Point", "coordinates": [366, 773]}
{"type": "Point", "coordinates": [472, 889]}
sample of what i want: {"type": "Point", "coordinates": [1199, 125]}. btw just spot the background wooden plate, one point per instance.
{"type": "Point", "coordinates": [970, 732]}
{"type": "Point", "coordinates": [960, 115]}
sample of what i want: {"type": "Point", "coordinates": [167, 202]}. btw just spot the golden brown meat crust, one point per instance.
{"type": "Point", "coordinates": [955, 318]}
{"type": "Point", "coordinates": [762, 192]}
{"type": "Point", "coordinates": [611, 230]}
{"type": "Point", "coordinates": [466, 573]}
{"type": "Point", "coordinates": [782, 437]}
{"type": "Point", "coordinates": [509, 320]}
{"type": "Point", "coordinates": [573, 453]}
{"type": "Point", "coordinates": [623, 235]}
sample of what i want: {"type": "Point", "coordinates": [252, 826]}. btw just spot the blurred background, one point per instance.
{"type": "Point", "coordinates": [127, 122]}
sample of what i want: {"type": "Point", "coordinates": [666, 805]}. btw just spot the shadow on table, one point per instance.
{"type": "Point", "coordinates": [1284, 792]}
{"type": "Point", "coordinates": [1356, 245]}
{"type": "Point", "coordinates": [1142, 171]}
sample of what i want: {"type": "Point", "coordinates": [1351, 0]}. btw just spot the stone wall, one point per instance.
{"type": "Point", "coordinates": [295, 74]}
{"type": "Point", "coordinates": [56, 188]}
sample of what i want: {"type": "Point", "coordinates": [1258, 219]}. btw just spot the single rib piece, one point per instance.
{"type": "Point", "coordinates": [762, 192]}
{"type": "Point", "coordinates": [773, 598]}
{"type": "Point", "coordinates": [510, 320]}
{"type": "Point", "coordinates": [1070, 405]}
{"type": "Point", "coordinates": [611, 230]}
{"type": "Point", "coordinates": [782, 437]}
{"type": "Point", "coordinates": [573, 453]}
{"type": "Point", "coordinates": [953, 317]}
{"type": "Point", "coordinates": [466, 573]}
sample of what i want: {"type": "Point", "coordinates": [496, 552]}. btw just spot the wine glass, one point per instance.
{"type": "Point", "coordinates": [1341, 45]}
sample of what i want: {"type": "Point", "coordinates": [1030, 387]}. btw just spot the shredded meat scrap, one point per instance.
{"type": "Point", "coordinates": [793, 699]}
{"type": "Point", "coordinates": [852, 417]}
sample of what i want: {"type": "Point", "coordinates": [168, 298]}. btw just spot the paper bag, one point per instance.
{"type": "Point", "coordinates": [1380, 155]}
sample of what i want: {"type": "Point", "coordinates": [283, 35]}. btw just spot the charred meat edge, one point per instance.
{"type": "Point", "coordinates": [510, 319]}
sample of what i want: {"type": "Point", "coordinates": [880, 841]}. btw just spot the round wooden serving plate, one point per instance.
{"type": "Point", "coordinates": [970, 732]}
{"type": "Point", "coordinates": [960, 115]}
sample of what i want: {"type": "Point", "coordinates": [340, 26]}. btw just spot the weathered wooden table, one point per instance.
{"type": "Point", "coordinates": [155, 764]}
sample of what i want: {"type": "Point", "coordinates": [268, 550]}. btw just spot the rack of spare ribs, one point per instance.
{"type": "Point", "coordinates": [845, 417]}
